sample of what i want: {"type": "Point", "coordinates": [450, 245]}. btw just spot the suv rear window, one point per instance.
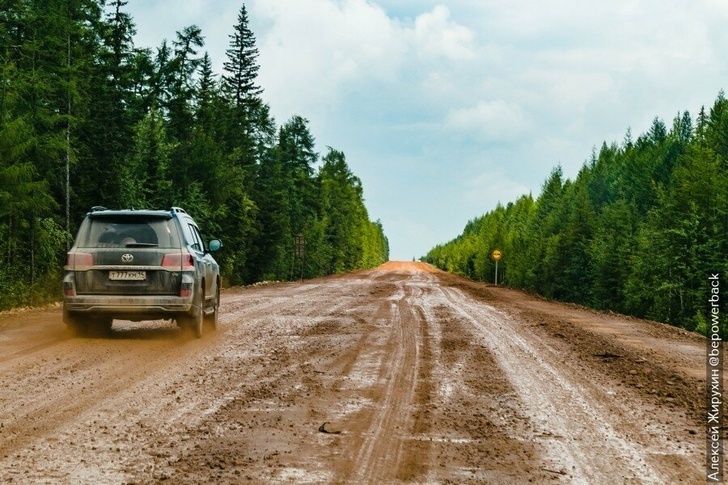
{"type": "Point", "coordinates": [128, 231]}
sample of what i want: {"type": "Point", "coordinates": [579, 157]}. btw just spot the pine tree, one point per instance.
{"type": "Point", "coordinates": [241, 66]}
{"type": "Point", "coordinates": [248, 118]}
{"type": "Point", "coordinates": [182, 69]}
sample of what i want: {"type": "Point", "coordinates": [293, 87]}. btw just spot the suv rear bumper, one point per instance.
{"type": "Point", "coordinates": [130, 305]}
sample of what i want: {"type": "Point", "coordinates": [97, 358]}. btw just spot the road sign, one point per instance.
{"type": "Point", "coordinates": [300, 244]}
{"type": "Point", "coordinates": [497, 254]}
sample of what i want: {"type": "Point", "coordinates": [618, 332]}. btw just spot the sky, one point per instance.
{"type": "Point", "coordinates": [446, 108]}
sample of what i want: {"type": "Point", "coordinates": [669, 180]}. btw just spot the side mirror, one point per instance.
{"type": "Point", "coordinates": [214, 245]}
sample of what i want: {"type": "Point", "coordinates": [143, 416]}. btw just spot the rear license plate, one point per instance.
{"type": "Point", "coordinates": [127, 275]}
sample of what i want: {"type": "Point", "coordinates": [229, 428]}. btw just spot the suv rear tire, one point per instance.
{"type": "Point", "coordinates": [196, 321]}
{"type": "Point", "coordinates": [212, 319]}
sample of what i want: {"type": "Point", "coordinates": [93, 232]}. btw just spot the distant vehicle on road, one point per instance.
{"type": "Point", "coordinates": [140, 265]}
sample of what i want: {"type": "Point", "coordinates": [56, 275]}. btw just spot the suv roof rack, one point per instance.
{"type": "Point", "coordinates": [178, 209]}
{"type": "Point", "coordinates": [97, 208]}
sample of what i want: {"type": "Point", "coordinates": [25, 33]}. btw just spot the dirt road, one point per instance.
{"type": "Point", "coordinates": [400, 374]}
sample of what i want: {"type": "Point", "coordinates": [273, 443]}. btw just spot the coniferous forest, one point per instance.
{"type": "Point", "coordinates": [87, 118]}
{"type": "Point", "coordinates": [639, 230]}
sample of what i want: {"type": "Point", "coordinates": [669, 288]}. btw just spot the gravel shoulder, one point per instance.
{"type": "Point", "coordinates": [399, 374]}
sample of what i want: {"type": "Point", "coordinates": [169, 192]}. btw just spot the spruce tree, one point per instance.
{"type": "Point", "coordinates": [241, 67]}
{"type": "Point", "coordinates": [248, 119]}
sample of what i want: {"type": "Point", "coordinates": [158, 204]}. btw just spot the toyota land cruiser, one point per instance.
{"type": "Point", "coordinates": [140, 265]}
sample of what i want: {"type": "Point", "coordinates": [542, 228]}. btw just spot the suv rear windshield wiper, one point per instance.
{"type": "Point", "coordinates": [141, 245]}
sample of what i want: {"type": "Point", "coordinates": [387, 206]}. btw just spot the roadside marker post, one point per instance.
{"type": "Point", "coordinates": [497, 254]}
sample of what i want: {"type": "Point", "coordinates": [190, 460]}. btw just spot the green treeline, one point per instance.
{"type": "Point", "coordinates": [87, 118]}
{"type": "Point", "coordinates": [636, 232]}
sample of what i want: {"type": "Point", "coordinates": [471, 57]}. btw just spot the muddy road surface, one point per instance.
{"type": "Point", "coordinates": [397, 375]}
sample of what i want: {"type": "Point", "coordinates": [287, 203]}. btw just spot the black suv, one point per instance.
{"type": "Point", "coordinates": [140, 265]}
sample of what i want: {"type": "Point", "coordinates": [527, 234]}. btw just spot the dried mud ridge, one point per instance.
{"type": "Point", "coordinates": [397, 375]}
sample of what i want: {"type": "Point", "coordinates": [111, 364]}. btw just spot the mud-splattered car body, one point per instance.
{"type": "Point", "coordinates": [140, 265]}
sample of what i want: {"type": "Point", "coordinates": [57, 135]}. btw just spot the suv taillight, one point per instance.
{"type": "Point", "coordinates": [182, 261]}
{"type": "Point", "coordinates": [76, 260]}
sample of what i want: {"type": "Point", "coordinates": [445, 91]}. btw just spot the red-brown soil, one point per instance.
{"type": "Point", "coordinates": [400, 374]}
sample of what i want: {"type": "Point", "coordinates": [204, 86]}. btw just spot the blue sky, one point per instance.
{"type": "Point", "coordinates": [444, 109]}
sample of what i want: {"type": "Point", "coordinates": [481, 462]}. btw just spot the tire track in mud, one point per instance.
{"type": "Point", "coordinates": [583, 439]}
{"type": "Point", "coordinates": [380, 453]}
{"type": "Point", "coordinates": [465, 416]}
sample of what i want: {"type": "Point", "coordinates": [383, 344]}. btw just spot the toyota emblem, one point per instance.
{"type": "Point", "coordinates": [127, 258]}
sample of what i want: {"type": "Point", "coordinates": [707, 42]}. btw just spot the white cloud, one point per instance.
{"type": "Point", "coordinates": [492, 120]}
{"type": "Point", "coordinates": [436, 35]}
{"type": "Point", "coordinates": [314, 52]}
{"type": "Point", "coordinates": [316, 49]}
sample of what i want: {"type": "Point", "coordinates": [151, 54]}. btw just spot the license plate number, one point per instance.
{"type": "Point", "coordinates": [127, 275]}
